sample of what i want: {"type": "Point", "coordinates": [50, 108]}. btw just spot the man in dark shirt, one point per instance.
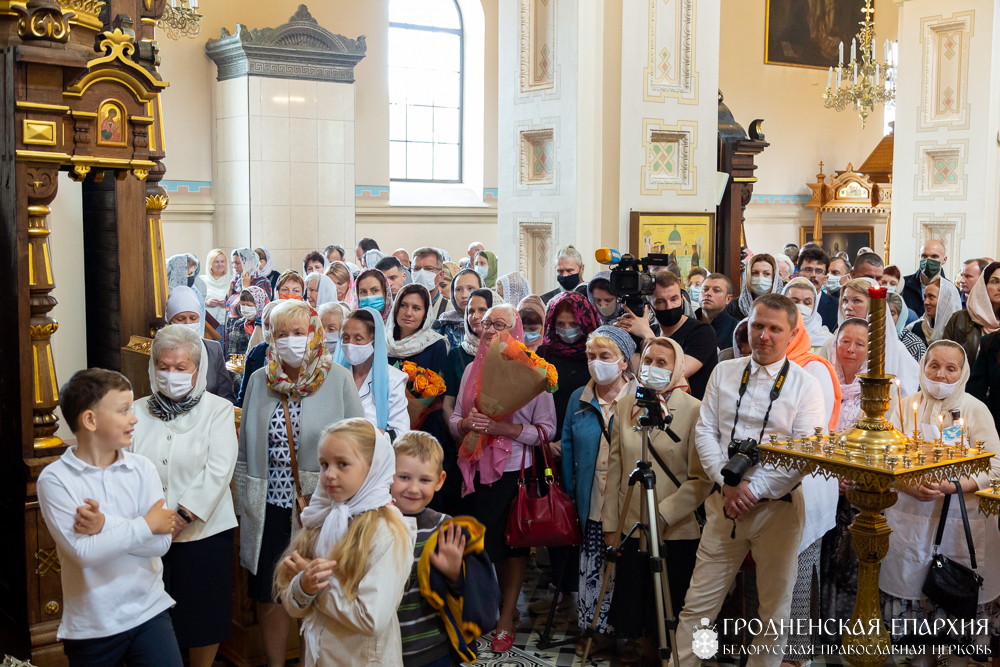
{"type": "Point", "coordinates": [716, 293]}
{"type": "Point", "coordinates": [932, 257]}
{"type": "Point", "coordinates": [814, 264]}
{"type": "Point", "coordinates": [697, 339]}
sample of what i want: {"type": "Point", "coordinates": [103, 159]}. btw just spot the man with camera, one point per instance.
{"type": "Point", "coordinates": [754, 508]}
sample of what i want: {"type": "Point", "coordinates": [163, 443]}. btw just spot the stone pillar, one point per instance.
{"type": "Point", "coordinates": [284, 135]}
{"type": "Point", "coordinates": [945, 162]}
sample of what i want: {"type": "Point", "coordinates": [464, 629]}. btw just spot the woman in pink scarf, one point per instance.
{"type": "Point", "coordinates": [490, 482]}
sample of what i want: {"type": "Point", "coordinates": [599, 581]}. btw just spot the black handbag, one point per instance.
{"type": "Point", "coordinates": [950, 585]}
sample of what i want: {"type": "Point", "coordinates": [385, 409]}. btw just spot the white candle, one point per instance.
{"type": "Point", "coordinates": [841, 61]}
{"type": "Point", "coordinates": [886, 52]}
{"type": "Point", "coordinates": [877, 80]}
{"type": "Point", "coordinates": [853, 49]}
{"type": "Point", "coordinates": [840, 71]}
{"type": "Point", "coordinates": [829, 78]}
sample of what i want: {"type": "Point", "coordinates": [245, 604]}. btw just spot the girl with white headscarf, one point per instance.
{"type": "Point", "coordinates": [803, 294]}
{"type": "Point", "coordinates": [914, 518]}
{"type": "Point", "coordinates": [190, 436]}
{"type": "Point", "coordinates": [344, 574]}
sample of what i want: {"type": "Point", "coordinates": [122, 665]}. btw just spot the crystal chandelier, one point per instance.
{"type": "Point", "coordinates": [181, 19]}
{"type": "Point", "coordinates": [866, 82]}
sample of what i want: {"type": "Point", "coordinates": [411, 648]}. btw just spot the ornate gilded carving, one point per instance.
{"type": "Point", "coordinates": [43, 20]}
{"type": "Point", "coordinates": [51, 608]}
{"type": "Point", "coordinates": [79, 172]}
{"type": "Point", "coordinates": [48, 561]}
{"type": "Point", "coordinates": [41, 184]}
{"type": "Point", "coordinates": [157, 202]}
{"type": "Point", "coordinates": [139, 344]}
{"type": "Point", "coordinates": [88, 12]}
{"type": "Point", "coordinates": [141, 174]}
{"type": "Point", "coordinates": [38, 132]}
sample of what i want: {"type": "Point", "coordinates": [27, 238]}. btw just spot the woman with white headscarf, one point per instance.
{"type": "Point", "coordinates": [915, 516]}
{"type": "Point", "coordinates": [855, 302]}
{"type": "Point", "coordinates": [320, 289]}
{"type": "Point", "coordinates": [184, 308]}
{"type": "Point", "coordinates": [382, 388]}
{"type": "Point", "coordinates": [941, 301]}
{"type": "Point", "coordinates": [217, 281]}
{"type": "Point", "coordinates": [264, 268]}
{"type": "Point", "coordinates": [803, 294]}
{"type": "Point", "coordinates": [513, 287]}
{"type": "Point", "coordinates": [759, 277]}
{"type": "Point", "coordinates": [409, 332]}
{"type": "Point", "coordinates": [981, 316]}
{"type": "Point", "coordinates": [451, 323]}
{"type": "Point", "coordinates": [190, 436]}
{"type": "Point", "coordinates": [246, 273]}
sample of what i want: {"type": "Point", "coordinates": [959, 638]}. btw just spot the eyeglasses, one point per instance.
{"type": "Point", "coordinates": [496, 325]}
{"type": "Point", "coordinates": [811, 271]}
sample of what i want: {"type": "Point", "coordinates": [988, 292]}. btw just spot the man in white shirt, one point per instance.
{"type": "Point", "coordinates": [763, 513]}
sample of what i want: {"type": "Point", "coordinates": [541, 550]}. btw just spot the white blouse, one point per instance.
{"type": "Point", "coordinates": [194, 455]}
{"type": "Point", "coordinates": [399, 417]}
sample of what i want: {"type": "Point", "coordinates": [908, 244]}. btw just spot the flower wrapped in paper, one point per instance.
{"type": "Point", "coordinates": [424, 392]}
{"type": "Point", "coordinates": [509, 378]}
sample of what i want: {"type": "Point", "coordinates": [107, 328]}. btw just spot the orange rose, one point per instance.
{"type": "Point", "coordinates": [420, 383]}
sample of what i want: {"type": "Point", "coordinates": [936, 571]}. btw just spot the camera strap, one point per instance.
{"type": "Point", "coordinates": [779, 383]}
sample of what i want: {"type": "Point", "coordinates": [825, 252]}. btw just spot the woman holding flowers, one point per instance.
{"type": "Point", "coordinates": [490, 475]}
{"type": "Point", "coordinates": [409, 333]}
{"type": "Point", "coordinates": [382, 388]}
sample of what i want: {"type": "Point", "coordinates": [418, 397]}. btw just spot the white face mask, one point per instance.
{"type": "Point", "coordinates": [196, 327]}
{"type": "Point", "coordinates": [425, 278]}
{"type": "Point", "coordinates": [832, 284]}
{"type": "Point", "coordinates": [248, 312]}
{"type": "Point", "coordinates": [804, 309]}
{"type": "Point", "coordinates": [174, 386]}
{"type": "Point", "coordinates": [291, 350]}
{"type": "Point", "coordinates": [761, 284]}
{"type": "Point", "coordinates": [654, 377]}
{"type": "Point", "coordinates": [358, 354]}
{"type": "Point", "coordinates": [939, 390]}
{"type": "Point", "coordinates": [331, 340]}
{"type": "Point", "coordinates": [604, 372]}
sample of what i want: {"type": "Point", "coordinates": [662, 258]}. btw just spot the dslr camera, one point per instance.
{"type": "Point", "coordinates": [631, 281]}
{"type": "Point", "coordinates": [743, 455]}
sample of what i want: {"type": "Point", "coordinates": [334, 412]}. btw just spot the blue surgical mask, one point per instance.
{"type": "Point", "coordinates": [694, 291]}
{"type": "Point", "coordinates": [569, 336]}
{"type": "Point", "coordinates": [532, 336]}
{"type": "Point", "coordinates": [482, 270]}
{"type": "Point", "coordinates": [374, 302]}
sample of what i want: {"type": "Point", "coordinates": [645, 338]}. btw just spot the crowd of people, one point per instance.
{"type": "Point", "coordinates": [359, 515]}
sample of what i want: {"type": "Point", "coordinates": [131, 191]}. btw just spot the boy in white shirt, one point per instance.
{"type": "Point", "coordinates": [104, 509]}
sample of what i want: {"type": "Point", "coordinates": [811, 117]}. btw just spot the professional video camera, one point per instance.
{"type": "Point", "coordinates": [743, 455]}
{"type": "Point", "coordinates": [653, 416]}
{"type": "Point", "coordinates": [631, 280]}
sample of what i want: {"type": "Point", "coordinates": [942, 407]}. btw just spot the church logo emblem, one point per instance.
{"type": "Point", "coordinates": [705, 641]}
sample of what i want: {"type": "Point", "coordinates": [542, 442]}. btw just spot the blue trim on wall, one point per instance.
{"type": "Point", "coordinates": [779, 199]}
{"type": "Point", "coordinates": [194, 187]}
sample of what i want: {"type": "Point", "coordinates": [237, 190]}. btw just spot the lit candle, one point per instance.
{"type": "Point", "coordinates": [853, 49]}
{"type": "Point", "coordinates": [829, 78]}
{"type": "Point", "coordinates": [841, 60]}
{"type": "Point", "coordinates": [916, 429]}
{"type": "Point", "coordinates": [941, 427]}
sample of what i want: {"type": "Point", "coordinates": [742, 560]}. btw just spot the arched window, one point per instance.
{"type": "Point", "coordinates": [426, 51]}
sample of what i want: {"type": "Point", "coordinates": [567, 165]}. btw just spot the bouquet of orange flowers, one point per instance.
{"type": "Point", "coordinates": [511, 377]}
{"type": "Point", "coordinates": [423, 391]}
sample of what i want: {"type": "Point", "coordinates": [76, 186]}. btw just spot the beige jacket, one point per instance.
{"type": "Point", "coordinates": [676, 506]}
{"type": "Point", "coordinates": [363, 631]}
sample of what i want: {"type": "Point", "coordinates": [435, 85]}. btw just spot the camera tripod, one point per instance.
{"type": "Point", "coordinates": [648, 531]}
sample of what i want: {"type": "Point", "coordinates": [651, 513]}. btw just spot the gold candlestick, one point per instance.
{"type": "Point", "coordinates": [877, 460]}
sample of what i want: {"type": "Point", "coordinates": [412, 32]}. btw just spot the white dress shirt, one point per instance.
{"type": "Point", "coordinates": [112, 581]}
{"type": "Point", "coordinates": [797, 412]}
{"type": "Point", "coordinates": [194, 455]}
{"type": "Point", "coordinates": [399, 417]}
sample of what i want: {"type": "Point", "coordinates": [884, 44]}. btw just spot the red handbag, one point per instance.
{"type": "Point", "coordinates": [542, 513]}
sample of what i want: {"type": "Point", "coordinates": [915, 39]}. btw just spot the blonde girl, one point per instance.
{"type": "Point", "coordinates": [345, 571]}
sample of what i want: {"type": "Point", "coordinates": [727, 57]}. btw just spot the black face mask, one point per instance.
{"type": "Point", "coordinates": [569, 282]}
{"type": "Point", "coordinates": [668, 317]}
{"type": "Point", "coordinates": [191, 281]}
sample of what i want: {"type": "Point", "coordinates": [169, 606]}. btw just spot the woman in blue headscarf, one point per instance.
{"type": "Point", "coordinates": [382, 388]}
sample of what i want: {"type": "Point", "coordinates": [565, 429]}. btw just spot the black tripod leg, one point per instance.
{"type": "Point", "coordinates": [545, 637]}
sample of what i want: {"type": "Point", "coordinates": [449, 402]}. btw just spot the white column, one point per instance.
{"type": "Point", "coordinates": [945, 161]}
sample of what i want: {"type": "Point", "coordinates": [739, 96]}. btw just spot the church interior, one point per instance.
{"type": "Point", "coordinates": [134, 131]}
